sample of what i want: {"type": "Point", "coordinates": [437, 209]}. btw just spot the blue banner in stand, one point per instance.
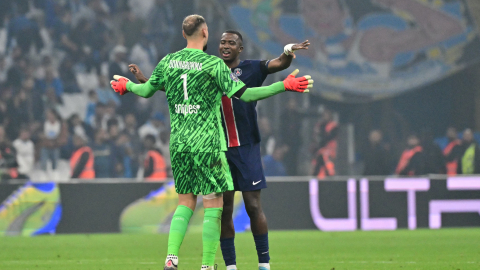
{"type": "Point", "coordinates": [365, 50]}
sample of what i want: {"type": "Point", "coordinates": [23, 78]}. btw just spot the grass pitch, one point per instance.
{"type": "Point", "coordinates": [420, 249]}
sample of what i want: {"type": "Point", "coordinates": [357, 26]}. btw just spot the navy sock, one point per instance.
{"type": "Point", "coordinates": [228, 250]}
{"type": "Point", "coordinates": [261, 242]}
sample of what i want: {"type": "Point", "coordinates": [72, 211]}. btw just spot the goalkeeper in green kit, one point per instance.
{"type": "Point", "coordinates": [194, 83]}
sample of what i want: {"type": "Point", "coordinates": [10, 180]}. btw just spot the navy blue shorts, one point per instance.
{"type": "Point", "coordinates": [245, 164]}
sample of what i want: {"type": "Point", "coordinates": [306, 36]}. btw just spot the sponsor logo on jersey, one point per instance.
{"type": "Point", "coordinates": [234, 77]}
{"type": "Point", "coordinates": [238, 72]}
{"type": "Point", "coordinates": [185, 65]}
{"type": "Point", "coordinates": [186, 109]}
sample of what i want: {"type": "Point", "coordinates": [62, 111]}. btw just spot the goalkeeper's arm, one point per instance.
{"type": "Point", "coordinates": [145, 90]}
{"type": "Point", "coordinates": [300, 84]}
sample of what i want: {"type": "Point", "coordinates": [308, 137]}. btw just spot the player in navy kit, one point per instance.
{"type": "Point", "coordinates": [243, 140]}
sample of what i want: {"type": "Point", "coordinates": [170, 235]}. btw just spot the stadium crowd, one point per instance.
{"type": "Point", "coordinates": [56, 58]}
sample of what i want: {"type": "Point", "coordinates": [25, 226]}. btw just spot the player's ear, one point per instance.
{"type": "Point", "coordinates": [240, 49]}
{"type": "Point", "coordinates": [183, 34]}
{"type": "Point", "coordinates": [205, 32]}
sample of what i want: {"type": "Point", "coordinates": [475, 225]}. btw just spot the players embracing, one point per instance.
{"type": "Point", "coordinates": [195, 82]}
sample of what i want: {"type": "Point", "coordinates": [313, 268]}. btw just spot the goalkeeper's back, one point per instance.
{"type": "Point", "coordinates": [194, 83]}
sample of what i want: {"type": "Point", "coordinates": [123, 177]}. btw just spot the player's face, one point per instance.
{"type": "Point", "coordinates": [324, 16]}
{"type": "Point", "coordinates": [230, 47]}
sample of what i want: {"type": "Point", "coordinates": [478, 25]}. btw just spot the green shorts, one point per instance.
{"type": "Point", "coordinates": [203, 173]}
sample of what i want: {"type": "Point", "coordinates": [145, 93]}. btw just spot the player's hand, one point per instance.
{"type": "Point", "coordinates": [119, 84]}
{"type": "Point", "coordinates": [299, 46]}
{"type": "Point", "coordinates": [300, 84]}
{"type": "Point", "coordinates": [137, 73]}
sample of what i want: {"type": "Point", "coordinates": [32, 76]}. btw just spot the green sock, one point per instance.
{"type": "Point", "coordinates": [211, 234]}
{"type": "Point", "coordinates": [178, 228]}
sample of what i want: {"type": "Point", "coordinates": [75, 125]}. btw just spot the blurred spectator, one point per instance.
{"type": "Point", "coordinates": [133, 29]}
{"type": "Point", "coordinates": [100, 110]}
{"type": "Point", "coordinates": [434, 159]}
{"type": "Point", "coordinates": [25, 32]}
{"type": "Point", "coordinates": [377, 155]}
{"type": "Point", "coordinates": [144, 54]}
{"type": "Point", "coordinates": [136, 145]}
{"type": "Point", "coordinates": [289, 127]}
{"type": "Point", "coordinates": [5, 64]}
{"type": "Point", "coordinates": [90, 115]}
{"type": "Point", "coordinates": [155, 168]}
{"type": "Point", "coordinates": [16, 73]}
{"type": "Point", "coordinates": [51, 81]}
{"type": "Point", "coordinates": [118, 65]}
{"type": "Point", "coordinates": [412, 161]}
{"type": "Point", "coordinates": [273, 164]}
{"type": "Point", "coordinates": [267, 144]}
{"type": "Point", "coordinates": [25, 153]}
{"type": "Point", "coordinates": [141, 8]}
{"type": "Point", "coordinates": [160, 26]}
{"type": "Point", "coordinates": [82, 160]}
{"type": "Point", "coordinates": [67, 75]}
{"type": "Point", "coordinates": [110, 114]}
{"type": "Point", "coordinates": [19, 114]}
{"type": "Point", "coordinates": [113, 129]}
{"type": "Point", "coordinates": [469, 162]}
{"type": "Point", "coordinates": [3, 109]}
{"type": "Point", "coordinates": [125, 158]}
{"type": "Point", "coordinates": [8, 161]}
{"type": "Point", "coordinates": [61, 32]}
{"type": "Point", "coordinates": [103, 155]}
{"type": "Point", "coordinates": [326, 132]}
{"type": "Point", "coordinates": [452, 151]}
{"type": "Point", "coordinates": [105, 93]}
{"type": "Point", "coordinates": [77, 127]}
{"type": "Point", "coordinates": [155, 126]}
{"type": "Point", "coordinates": [83, 36]}
{"type": "Point", "coordinates": [54, 136]}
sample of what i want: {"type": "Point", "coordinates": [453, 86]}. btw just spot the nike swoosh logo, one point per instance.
{"type": "Point", "coordinates": [255, 183]}
{"type": "Point", "coordinates": [265, 252]}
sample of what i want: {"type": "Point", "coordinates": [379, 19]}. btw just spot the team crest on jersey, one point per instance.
{"type": "Point", "coordinates": [238, 72]}
{"type": "Point", "coordinates": [234, 77]}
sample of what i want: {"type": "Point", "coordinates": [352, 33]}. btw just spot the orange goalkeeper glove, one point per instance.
{"type": "Point", "coordinates": [300, 84]}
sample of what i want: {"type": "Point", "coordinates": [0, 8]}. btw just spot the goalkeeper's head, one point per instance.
{"type": "Point", "coordinates": [195, 29]}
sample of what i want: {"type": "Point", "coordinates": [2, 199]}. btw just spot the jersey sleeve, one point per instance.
{"type": "Point", "coordinates": [226, 80]}
{"type": "Point", "coordinates": [263, 65]}
{"type": "Point", "coordinates": [157, 79]}
{"type": "Point", "coordinates": [155, 83]}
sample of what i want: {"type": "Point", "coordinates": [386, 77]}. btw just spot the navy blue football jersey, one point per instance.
{"type": "Point", "coordinates": [239, 118]}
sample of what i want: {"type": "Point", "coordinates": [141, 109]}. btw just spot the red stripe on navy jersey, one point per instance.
{"type": "Point", "coordinates": [229, 116]}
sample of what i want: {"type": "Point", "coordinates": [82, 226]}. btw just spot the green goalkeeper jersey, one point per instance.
{"type": "Point", "coordinates": [194, 83]}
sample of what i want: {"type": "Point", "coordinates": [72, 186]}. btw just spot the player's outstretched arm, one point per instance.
{"type": "Point", "coordinates": [300, 84]}
{"type": "Point", "coordinates": [285, 59]}
{"type": "Point", "coordinates": [123, 85]}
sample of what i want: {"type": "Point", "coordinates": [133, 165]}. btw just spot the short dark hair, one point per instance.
{"type": "Point", "coordinates": [150, 138]}
{"type": "Point", "coordinates": [236, 33]}
{"type": "Point", "coordinates": [192, 23]}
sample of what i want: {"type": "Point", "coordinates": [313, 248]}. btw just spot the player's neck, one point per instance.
{"type": "Point", "coordinates": [194, 44]}
{"type": "Point", "coordinates": [233, 64]}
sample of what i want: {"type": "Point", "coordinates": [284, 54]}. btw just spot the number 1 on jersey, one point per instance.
{"type": "Point", "coordinates": [184, 77]}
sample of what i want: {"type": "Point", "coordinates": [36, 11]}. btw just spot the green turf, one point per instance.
{"type": "Point", "coordinates": [420, 249]}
